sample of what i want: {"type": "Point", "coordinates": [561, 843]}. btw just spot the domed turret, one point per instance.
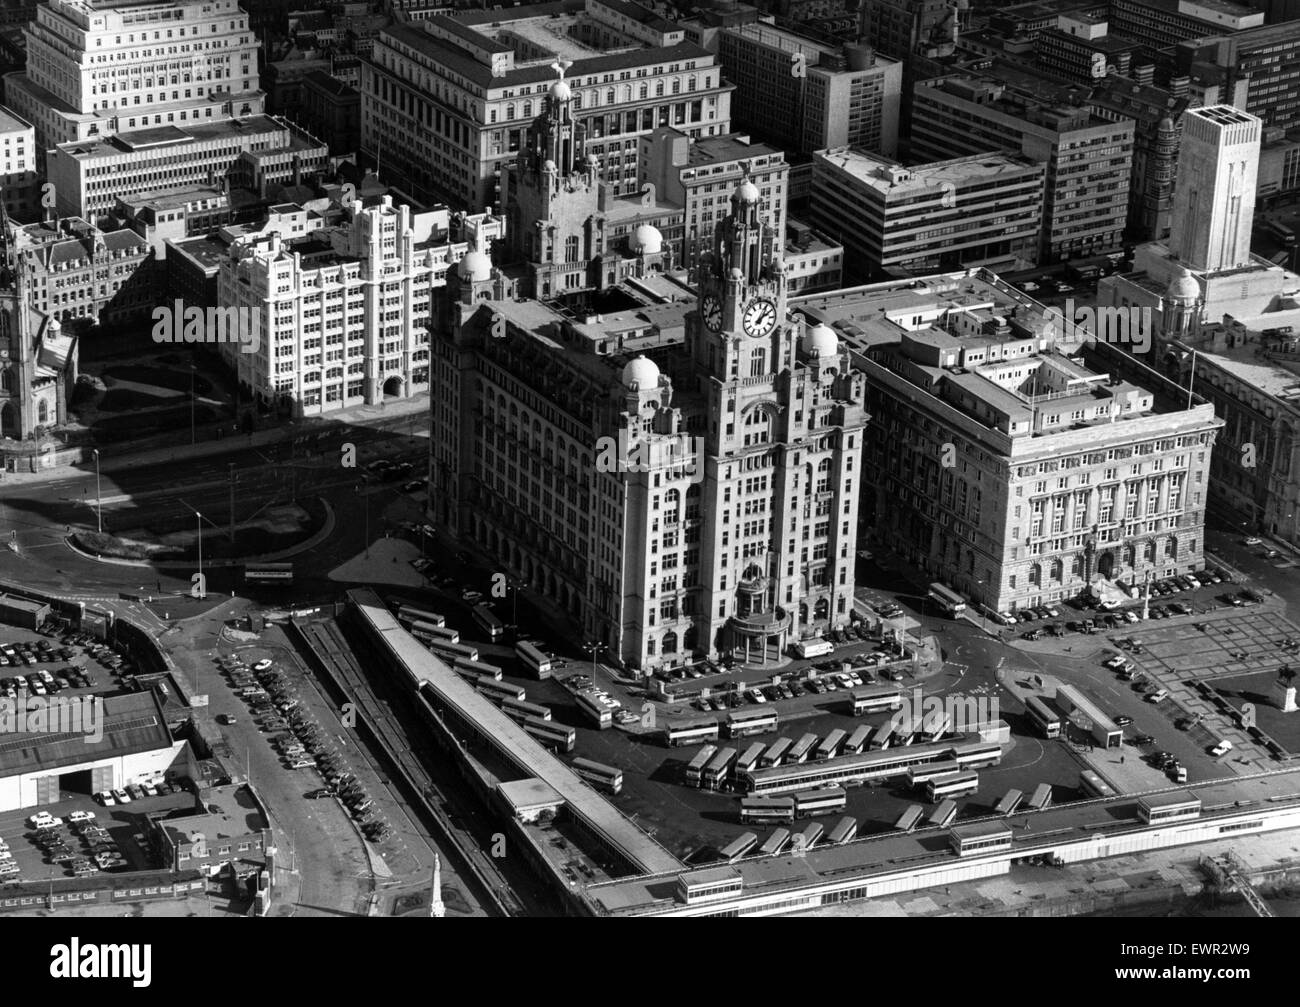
{"type": "Point", "coordinates": [1166, 125]}
{"type": "Point", "coordinates": [646, 240]}
{"type": "Point", "coordinates": [821, 341]}
{"type": "Point", "coordinates": [641, 374]}
{"type": "Point", "coordinates": [560, 91]}
{"type": "Point", "coordinates": [475, 267]}
{"type": "Point", "coordinates": [1184, 288]}
{"type": "Point", "coordinates": [746, 193]}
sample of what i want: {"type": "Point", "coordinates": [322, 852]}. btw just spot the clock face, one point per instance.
{"type": "Point", "coordinates": [712, 311]}
{"type": "Point", "coordinates": [759, 318]}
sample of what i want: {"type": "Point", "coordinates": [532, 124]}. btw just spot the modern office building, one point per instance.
{"type": "Point", "coordinates": [94, 69]}
{"type": "Point", "coordinates": [1080, 48]}
{"type": "Point", "coordinates": [20, 184]}
{"type": "Point", "coordinates": [899, 28]}
{"type": "Point", "coordinates": [804, 96]}
{"type": "Point", "coordinates": [982, 209]}
{"type": "Point", "coordinates": [173, 215]}
{"type": "Point", "coordinates": [89, 176]}
{"type": "Point", "coordinates": [341, 315]}
{"type": "Point", "coordinates": [1089, 160]}
{"type": "Point", "coordinates": [679, 477]}
{"type": "Point", "coordinates": [1264, 59]}
{"type": "Point", "coordinates": [446, 102]}
{"type": "Point", "coordinates": [1163, 24]}
{"type": "Point", "coordinates": [1004, 459]}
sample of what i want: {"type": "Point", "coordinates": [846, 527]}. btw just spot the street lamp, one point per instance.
{"type": "Point", "coordinates": [99, 505]}
{"type": "Point", "coordinates": [593, 647]}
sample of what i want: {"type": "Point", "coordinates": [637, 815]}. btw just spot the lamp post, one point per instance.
{"type": "Point", "coordinates": [99, 503]}
{"type": "Point", "coordinates": [199, 518]}
{"type": "Point", "coordinates": [593, 647]}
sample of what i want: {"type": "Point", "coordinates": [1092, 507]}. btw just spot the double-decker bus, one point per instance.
{"type": "Point", "coordinates": [943, 815]}
{"type": "Point", "coordinates": [695, 768]}
{"type": "Point", "coordinates": [825, 801]}
{"type": "Point", "coordinates": [775, 843]}
{"type": "Point", "coordinates": [977, 754]}
{"type": "Point", "coordinates": [590, 706]}
{"type": "Point", "coordinates": [953, 785]}
{"type": "Point", "coordinates": [268, 573]}
{"type": "Point", "coordinates": [556, 736]}
{"type": "Point", "coordinates": [767, 809]}
{"type": "Point", "coordinates": [801, 749]}
{"type": "Point", "coordinates": [488, 622]}
{"type": "Point", "coordinates": [719, 767]}
{"type": "Point", "coordinates": [532, 657]}
{"type": "Point", "coordinates": [427, 632]}
{"type": "Point", "coordinates": [518, 711]}
{"type": "Point", "coordinates": [1010, 802]}
{"type": "Point", "coordinates": [691, 733]}
{"type": "Point", "coordinates": [474, 669]}
{"type": "Point", "coordinates": [499, 691]}
{"type": "Point", "coordinates": [907, 820]}
{"type": "Point", "coordinates": [775, 752]}
{"type": "Point", "coordinates": [1043, 717]}
{"type": "Point", "coordinates": [604, 777]}
{"type": "Point", "coordinates": [947, 599]}
{"type": "Point", "coordinates": [858, 740]}
{"type": "Point", "coordinates": [982, 837]}
{"type": "Point", "coordinates": [737, 848]}
{"type": "Point", "coordinates": [845, 829]}
{"type": "Point", "coordinates": [451, 652]}
{"type": "Point", "coordinates": [743, 723]}
{"type": "Point", "coordinates": [881, 735]}
{"type": "Point", "coordinates": [920, 775]}
{"type": "Point", "coordinates": [1169, 808]}
{"type": "Point", "coordinates": [875, 700]}
{"type": "Point", "coordinates": [808, 838]}
{"type": "Point", "coordinates": [410, 614]}
{"type": "Point", "coordinates": [1093, 785]}
{"type": "Point", "coordinates": [830, 745]}
{"type": "Point", "coordinates": [749, 759]}
{"type": "Point", "coordinates": [1041, 799]}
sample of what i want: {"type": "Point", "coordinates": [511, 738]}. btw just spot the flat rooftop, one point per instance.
{"type": "Point", "coordinates": [879, 173]}
{"type": "Point", "coordinates": [131, 724]}
{"type": "Point", "coordinates": [139, 140]}
{"type": "Point", "coordinates": [228, 811]}
{"type": "Point", "coordinates": [11, 122]}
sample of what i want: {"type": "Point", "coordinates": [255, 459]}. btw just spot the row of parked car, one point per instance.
{"type": "Point", "coordinates": [55, 838]}
{"type": "Point", "coordinates": [136, 792]}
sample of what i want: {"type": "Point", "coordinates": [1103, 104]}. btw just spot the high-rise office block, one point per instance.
{"type": "Point", "coordinates": [1214, 202]}
{"type": "Point", "coordinates": [1265, 60]}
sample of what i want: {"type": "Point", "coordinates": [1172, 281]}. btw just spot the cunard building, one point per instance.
{"type": "Point", "coordinates": [678, 475]}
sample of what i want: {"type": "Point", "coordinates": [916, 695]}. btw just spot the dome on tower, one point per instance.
{"type": "Point", "coordinates": [561, 91]}
{"type": "Point", "coordinates": [641, 374]}
{"type": "Point", "coordinates": [746, 192]}
{"type": "Point", "coordinates": [475, 267]}
{"type": "Point", "coordinates": [1166, 125]}
{"type": "Point", "coordinates": [1184, 288]}
{"type": "Point", "coordinates": [550, 166]}
{"type": "Point", "coordinates": [646, 240]}
{"type": "Point", "coordinates": [821, 341]}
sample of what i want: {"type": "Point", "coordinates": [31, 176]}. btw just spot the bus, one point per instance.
{"type": "Point", "coordinates": [268, 573]}
{"type": "Point", "coordinates": [1041, 799]}
{"type": "Point", "coordinates": [695, 768]}
{"type": "Point", "coordinates": [767, 809]}
{"type": "Point", "coordinates": [604, 777]}
{"type": "Point", "coordinates": [775, 843]}
{"type": "Point", "coordinates": [691, 733]}
{"type": "Point", "coordinates": [555, 736]}
{"type": "Point", "coordinates": [881, 735]}
{"type": "Point", "coordinates": [830, 746]}
{"type": "Point", "coordinates": [955, 785]}
{"type": "Point", "coordinates": [451, 652]}
{"type": "Point", "coordinates": [590, 706]}
{"type": "Point", "coordinates": [1169, 808]}
{"type": "Point", "coordinates": [775, 753]}
{"type": "Point", "coordinates": [408, 614]}
{"type": "Point", "coordinates": [815, 647]}
{"type": "Point", "coordinates": [746, 722]}
{"type": "Point", "coordinates": [498, 691]}
{"type": "Point", "coordinates": [715, 773]}
{"type": "Point", "coordinates": [825, 801]}
{"type": "Point", "coordinates": [737, 848]}
{"type": "Point", "coordinates": [801, 749]}
{"type": "Point", "coordinates": [749, 760]}
{"type": "Point", "coordinates": [908, 819]}
{"type": "Point", "coordinates": [977, 754]}
{"type": "Point", "coordinates": [488, 622]}
{"type": "Point", "coordinates": [808, 838]}
{"type": "Point", "coordinates": [943, 814]}
{"type": "Point", "coordinates": [1043, 717]}
{"type": "Point", "coordinates": [1009, 803]}
{"type": "Point", "coordinates": [947, 599]}
{"type": "Point", "coordinates": [845, 829]}
{"type": "Point", "coordinates": [473, 670]}
{"type": "Point", "coordinates": [517, 710]}
{"type": "Point", "coordinates": [1093, 785]}
{"type": "Point", "coordinates": [533, 658]}
{"type": "Point", "coordinates": [858, 740]}
{"type": "Point", "coordinates": [876, 699]}
{"type": "Point", "coordinates": [982, 837]}
{"type": "Point", "coordinates": [920, 775]}
{"type": "Point", "coordinates": [427, 632]}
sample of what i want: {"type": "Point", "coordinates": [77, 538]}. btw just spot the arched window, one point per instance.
{"type": "Point", "coordinates": [643, 91]}
{"type": "Point", "coordinates": [670, 643]}
{"type": "Point", "coordinates": [528, 110]}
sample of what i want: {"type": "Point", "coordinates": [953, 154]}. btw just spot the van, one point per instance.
{"type": "Point", "coordinates": [1178, 773]}
{"type": "Point", "coordinates": [1159, 696]}
{"type": "Point", "coordinates": [1222, 748]}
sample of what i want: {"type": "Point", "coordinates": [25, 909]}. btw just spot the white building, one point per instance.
{"type": "Point", "coordinates": [19, 181]}
{"type": "Point", "coordinates": [1214, 200]}
{"type": "Point", "coordinates": [342, 314]}
{"type": "Point", "coordinates": [94, 69]}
